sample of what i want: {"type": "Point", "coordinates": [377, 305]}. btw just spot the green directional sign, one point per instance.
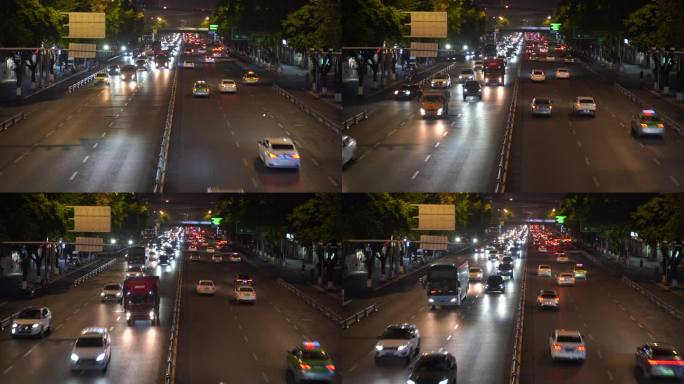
{"type": "Point", "coordinates": [216, 220]}
{"type": "Point", "coordinates": [213, 27]}
{"type": "Point", "coordinates": [560, 219]}
{"type": "Point", "coordinates": [555, 26]}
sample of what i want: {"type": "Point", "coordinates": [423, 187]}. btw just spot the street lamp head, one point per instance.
{"type": "Point", "coordinates": [474, 240]}
{"type": "Point", "coordinates": [106, 47]}
{"type": "Point", "coordinates": [112, 241]}
{"type": "Point", "coordinates": [447, 46]}
{"type": "Point", "coordinates": [130, 242]}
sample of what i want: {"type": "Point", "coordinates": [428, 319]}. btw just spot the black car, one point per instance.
{"type": "Point", "coordinates": [472, 88]}
{"type": "Point", "coordinates": [659, 360]}
{"type": "Point", "coordinates": [163, 260]}
{"type": "Point", "coordinates": [495, 283]}
{"type": "Point", "coordinates": [434, 368]}
{"type": "Point", "coordinates": [505, 269]}
{"type": "Point", "coordinates": [408, 91]}
{"type": "Point", "coordinates": [114, 70]}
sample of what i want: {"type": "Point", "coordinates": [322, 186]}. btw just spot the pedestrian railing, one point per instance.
{"type": "Point", "coordinates": [170, 376]}
{"type": "Point", "coordinates": [307, 109]}
{"type": "Point", "coordinates": [504, 154]}
{"type": "Point", "coordinates": [518, 336]}
{"type": "Point", "coordinates": [359, 117]}
{"type": "Point", "coordinates": [12, 121]}
{"type": "Point", "coordinates": [86, 80]}
{"type": "Point", "coordinates": [426, 81]}
{"type": "Point", "coordinates": [644, 105]}
{"type": "Point", "coordinates": [94, 272]}
{"type": "Point", "coordinates": [360, 315]}
{"type": "Point", "coordinates": [313, 303]}
{"type": "Point", "coordinates": [654, 299]}
{"type": "Point", "coordinates": [160, 175]}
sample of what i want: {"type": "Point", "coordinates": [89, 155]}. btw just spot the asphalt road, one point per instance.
{"type": "Point", "coordinates": [221, 341]}
{"type": "Point", "coordinates": [96, 139]}
{"type": "Point", "coordinates": [613, 318]}
{"type": "Point", "coordinates": [398, 151]}
{"type": "Point", "coordinates": [479, 334]}
{"type": "Point", "coordinates": [138, 352]}
{"type": "Point", "coordinates": [582, 154]}
{"type": "Point", "coordinates": [214, 139]}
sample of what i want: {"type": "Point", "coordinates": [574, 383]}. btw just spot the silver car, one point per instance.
{"type": "Point", "coordinates": [541, 106]}
{"type": "Point", "coordinates": [113, 292]}
{"type": "Point", "coordinates": [92, 350]}
{"type": "Point", "coordinates": [32, 321]}
{"type": "Point", "coordinates": [348, 149]}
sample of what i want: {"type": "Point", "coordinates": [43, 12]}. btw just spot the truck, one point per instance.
{"type": "Point", "coordinates": [141, 299]}
{"type": "Point", "coordinates": [161, 61]}
{"type": "Point", "coordinates": [135, 257]}
{"type": "Point", "coordinates": [446, 284]}
{"type": "Point", "coordinates": [494, 71]}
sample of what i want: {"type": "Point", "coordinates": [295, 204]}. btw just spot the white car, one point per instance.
{"type": "Point", "coordinates": [562, 73]}
{"type": "Point", "coordinates": [478, 65]}
{"type": "Point", "coordinates": [466, 74]}
{"type": "Point", "coordinates": [101, 77]}
{"type": "Point", "coordinates": [188, 64]}
{"type": "Point", "coordinates": [442, 80]}
{"type": "Point", "coordinates": [544, 270]}
{"type": "Point", "coordinates": [245, 294]}
{"type": "Point", "coordinates": [234, 257]}
{"type": "Point", "coordinates": [205, 287]}
{"type": "Point", "coordinates": [475, 274]}
{"type": "Point", "coordinates": [565, 278]}
{"type": "Point", "coordinates": [567, 345]}
{"type": "Point", "coordinates": [398, 341]}
{"type": "Point", "coordinates": [537, 75]}
{"type": "Point", "coordinates": [32, 321]}
{"type": "Point", "coordinates": [211, 250]}
{"type": "Point", "coordinates": [548, 298]}
{"type": "Point", "coordinates": [227, 86]}
{"type": "Point", "coordinates": [216, 258]}
{"type": "Point", "coordinates": [348, 149]}
{"type": "Point", "coordinates": [134, 271]}
{"type": "Point", "coordinates": [561, 257]}
{"type": "Point", "coordinates": [209, 59]}
{"type": "Point", "coordinates": [112, 291]}
{"type": "Point", "coordinates": [92, 350]}
{"type": "Point", "coordinates": [278, 152]}
{"type": "Point", "coordinates": [584, 105]}
{"type": "Point", "coordinates": [192, 248]}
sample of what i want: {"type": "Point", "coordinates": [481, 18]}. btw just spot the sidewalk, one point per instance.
{"type": "Point", "coordinates": [639, 80]}
{"type": "Point", "coordinates": [8, 87]}
{"type": "Point", "coordinates": [291, 271]}
{"type": "Point", "coordinates": [645, 275]}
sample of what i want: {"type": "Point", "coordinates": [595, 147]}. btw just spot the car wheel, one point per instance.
{"type": "Point", "coordinates": [408, 360]}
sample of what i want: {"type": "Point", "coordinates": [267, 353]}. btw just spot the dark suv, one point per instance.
{"type": "Point", "coordinates": [472, 88]}
{"type": "Point", "coordinates": [495, 283]}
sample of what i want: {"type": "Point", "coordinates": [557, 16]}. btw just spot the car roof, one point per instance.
{"type": "Point", "coordinates": [544, 266]}
{"type": "Point", "coordinates": [568, 332]}
{"type": "Point", "coordinates": [279, 140]}
{"type": "Point", "coordinates": [402, 326]}
{"type": "Point", "coordinates": [206, 281]}
{"type": "Point", "coordinates": [93, 331]}
{"type": "Point", "coordinates": [660, 345]}
{"type": "Point", "coordinates": [585, 97]}
{"type": "Point", "coordinates": [548, 291]}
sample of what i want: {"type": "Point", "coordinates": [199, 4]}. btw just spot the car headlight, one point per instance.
{"type": "Point", "coordinates": [151, 314]}
{"type": "Point", "coordinates": [100, 357]}
{"type": "Point", "coordinates": [14, 325]}
{"type": "Point", "coordinates": [439, 111]}
{"type": "Point", "coordinates": [409, 381]}
{"type": "Point", "coordinates": [431, 300]}
{"type": "Point", "coordinates": [453, 300]}
{"type": "Point", "coordinates": [396, 92]}
{"type": "Point", "coordinates": [445, 381]}
{"type": "Point", "coordinates": [118, 294]}
{"type": "Point", "coordinates": [35, 326]}
{"type": "Point", "coordinates": [74, 357]}
{"type": "Point", "coordinates": [128, 315]}
{"type": "Point", "coordinates": [102, 294]}
{"type": "Point", "coordinates": [379, 347]}
{"type": "Point", "coordinates": [401, 347]}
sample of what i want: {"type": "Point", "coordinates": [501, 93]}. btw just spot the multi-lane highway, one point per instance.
{"type": "Point", "coordinates": [138, 352]}
{"type": "Point", "coordinates": [479, 333]}
{"type": "Point", "coordinates": [613, 318]}
{"type": "Point", "coordinates": [99, 138]}
{"type": "Point", "coordinates": [567, 153]}
{"type": "Point", "coordinates": [400, 151]}
{"type": "Point", "coordinates": [214, 139]}
{"type": "Point", "coordinates": [221, 341]}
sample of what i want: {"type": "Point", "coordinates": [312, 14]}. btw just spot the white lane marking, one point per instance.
{"type": "Point", "coordinates": [73, 175]}
{"type": "Point", "coordinates": [445, 133]}
{"type": "Point", "coordinates": [622, 125]}
{"type": "Point", "coordinates": [263, 374]}
{"type": "Point", "coordinates": [579, 143]}
{"type": "Point", "coordinates": [232, 133]}
{"type": "Point", "coordinates": [18, 159]}
{"type": "Point", "coordinates": [632, 318]}
{"type": "Point", "coordinates": [332, 181]}
{"type": "Point", "coordinates": [59, 326]}
{"type": "Point", "coordinates": [68, 117]}
{"type": "Point", "coordinates": [455, 327]}
{"type": "Point", "coordinates": [650, 336]}
{"type": "Point", "coordinates": [313, 160]}
{"type": "Point", "coordinates": [591, 337]}
{"type": "Point", "coordinates": [392, 132]}
{"type": "Point", "coordinates": [30, 350]}
{"type": "Point", "coordinates": [281, 126]}
{"type": "Point", "coordinates": [642, 145]}
{"type": "Point", "coordinates": [49, 133]}
{"type": "Point", "coordinates": [95, 145]}
{"type": "Point", "coordinates": [574, 132]}
{"type": "Point", "coordinates": [655, 160]}
{"type": "Point", "coordinates": [600, 355]}
{"type": "Point", "coordinates": [111, 328]}
{"type": "Point", "coordinates": [428, 158]}
{"type": "Point", "coordinates": [227, 123]}
{"type": "Point", "coordinates": [640, 325]}
{"type": "Point", "coordinates": [586, 160]}
{"type": "Point", "coordinates": [596, 182]}
{"type": "Point", "coordinates": [437, 144]}
{"type": "Point", "coordinates": [448, 337]}
{"type": "Point", "coordinates": [104, 134]}
{"type": "Point", "coordinates": [254, 182]}
{"type": "Point", "coordinates": [85, 159]}
{"type": "Point", "coordinates": [240, 327]}
{"type": "Point", "coordinates": [288, 320]}
{"type": "Point", "coordinates": [610, 375]}
{"type": "Point", "coordinates": [287, 132]}
{"type": "Point", "coordinates": [7, 369]}
{"type": "Point", "coordinates": [353, 367]}
{"type": "Point", "coordinates": [246, 339]}
{"type": "Point", "coordinates": [118, 318]}
{"type": "Point", "coordinates": [61, 123]}
{"type": "Point", "coordinates": [255, 356]}
{"type": "Point", "coordinates": [414, 175]}
{"type": "Point", "coordinates": [244, 161]}
{"type": "Point", "coordinates": [362, 156]}
{"type": "Point", "coordinates": [674, 180]}
{"type": "Point", "coordinates": [110, 124]}
{"type": "Point", "coordinates": [237, 143]}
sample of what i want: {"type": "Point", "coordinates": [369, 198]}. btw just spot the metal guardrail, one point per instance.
{"type": "Point", "coordinates": [426, 80]}
{"type": "Point", "coordinates": [160, 175]}
{"type": "Point", "coordinates": [170, 376]}
{"type": "Point", "coordinates": [654, 299]}
{"type": "Point", "coordinates": [518, 337]}
{"type": "Point", "coordinates": [12, 121]}
{"type": "Point", "coordinates": [644, 105]}
{"type": "Point", "coordinates": [504, 155]}
{"type": "Point", "coordinates": [83, 81]}
{"type": "Point", "coordinates": [4, 323]}
{"type": "Point", "coordinates": [358, 316]}
{"type": "Point", "coordinates": [94, 272]}
{"type": "Point", "coordinates": [308, 110]}
{"type": "Point", "coordinates": [319, 307]}
{"type": "Point", "coordinates": [355, 119]}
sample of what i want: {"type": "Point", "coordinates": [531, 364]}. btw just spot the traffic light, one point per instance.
{"type": "Point", "coordinates": [555, 26]}
{"type": "Point", "coordinates": [216, 220]}
{"type": "Point", "coordinates": [560, 219]}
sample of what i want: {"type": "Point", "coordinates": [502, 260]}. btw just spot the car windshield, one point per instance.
{"type": "Point", "coordinates": [32, 313]}
{"type": "Point", "coordinates": [315, 354]}
{"type": "Point", "coordinates": [565, 274]}
{"type": "Point", "coordinates": [246, 289]}
{"type": "Point", "coordinates": [537, 72]}
{"type": "Point", "coordinates": [206, 283]}
{"type": "Point", "coordinates": [494, 280]}
{"type": "Point", "coordinates": [586, 101]}
{"type": "Point", "coordinates": [544, 267]}
{"type": "Point", "coordinates": [396, 333]}
{"type": "Point", "coordinates": [432, 99]}
{"type": "Point", "coordinates": [542, 101]}
{"type": "Point", "coordinates": [548, 295]}
{"type": "Point", "coordinates": [476, 269]}
{"type": "Point", "coordinates": [650, 118]}
{"type": "Point", "coordinates": [472, 84]}
{"type": "Point", "coordinates": [467, 72]}
{"type": "Point", "coordinates": [282, 147]}
{"type": "Point", "coordinates": [562, 70]}
{"type": "Point", "coordinates": [228, 82]}
{"type": "Point", "coordinates": [568, 339]}
{"type": "Point", "coordinates": [89, 342]}
{"type": "Point", "coordinates": [439, 78]}
{"type": "Point", "coordinates": [437, 363]}
{"type": "Point", "coordinates": [665, 352]}
{"type": "Point", "coordinates": [112, 287]}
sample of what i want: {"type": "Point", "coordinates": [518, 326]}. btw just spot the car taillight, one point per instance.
{"type": "Point", "coordinates": [272, 155]}
{"type": "Point", "coordinates": [330, 367]}
{"type": "Point", "coordinates": [581, 348]}
{"type": "Point", "coordinates": [665, 362]}
{"type": "Point", "coordinates": [661, 126]}
{"type": "Point", "coordinates": [556, 347]}
{"type": "Point", "coordinates": [295, 156]}
{"type": "Point", "coordinates": [305, 367]}
{"type": "Point", "coordinates": [644, 125]}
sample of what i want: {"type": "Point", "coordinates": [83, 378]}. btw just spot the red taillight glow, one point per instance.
{"type": "Point", "coordinates": [666, 362]}
{"type": "Point", "coordinates": [305, 367]}
{"type": "Point", "coordinates": [330, 367]}
{"type": "Point", "coordinates": [581, 348]}
{"type": "Point", "coordinates": [556, 347]}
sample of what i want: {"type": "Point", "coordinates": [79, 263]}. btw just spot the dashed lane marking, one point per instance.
{"type": "Point", "coordinates": [353, 367]}
{"type": "Point", "coordinates": [655, 160]}
{"type": "Point", "coordinates": [104, 134]}
{"type": "Point", "coordinates": [263, 374]}
{"type": "Point", "coordinates": [255, 356]}
{"type": "Point", "coordinates": [674, 180]}
{"type": "Point", "coordinates": [332, 181]}
{"type": "Point", "coordinates": [392, 132]}
{"type": "Point", "coordinates": [586, 160]}
{"type": "Point", "coordinates": [237, 143]}
{"type": "Point", "coordinates": [246, 339]}
{"type": "Point", "coordinates": [85, 159]}
{"type": "Point", "coordinates": [95, 145]}
{"type": "Point", "coordinates": [254, 182]}
{"type": "Point", "coordinates": [437, 144]}
{"type": "Point", "coordinates": [579, 143]}
{"type": "Point", "coordinates": [427, 158]}
{"type": "Point", "coordinates": [610, 375]}
{"type": "Point", "coordinates": [596, 182]}
{"type": "Point", "coordinates": [244, 161]}
{"type": "Point", "coordinates": [313, 160]}
{"type": "Point", "coordinates": [414, 175]}
{"type": "Point", "coordinates": [73, 176]}
{"type": "Point", "coordinates": [600, 355]}
{"type": "Point", "coordinates": [18, 159]}
{"type": "Point", "coordinates": [7, 369]}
